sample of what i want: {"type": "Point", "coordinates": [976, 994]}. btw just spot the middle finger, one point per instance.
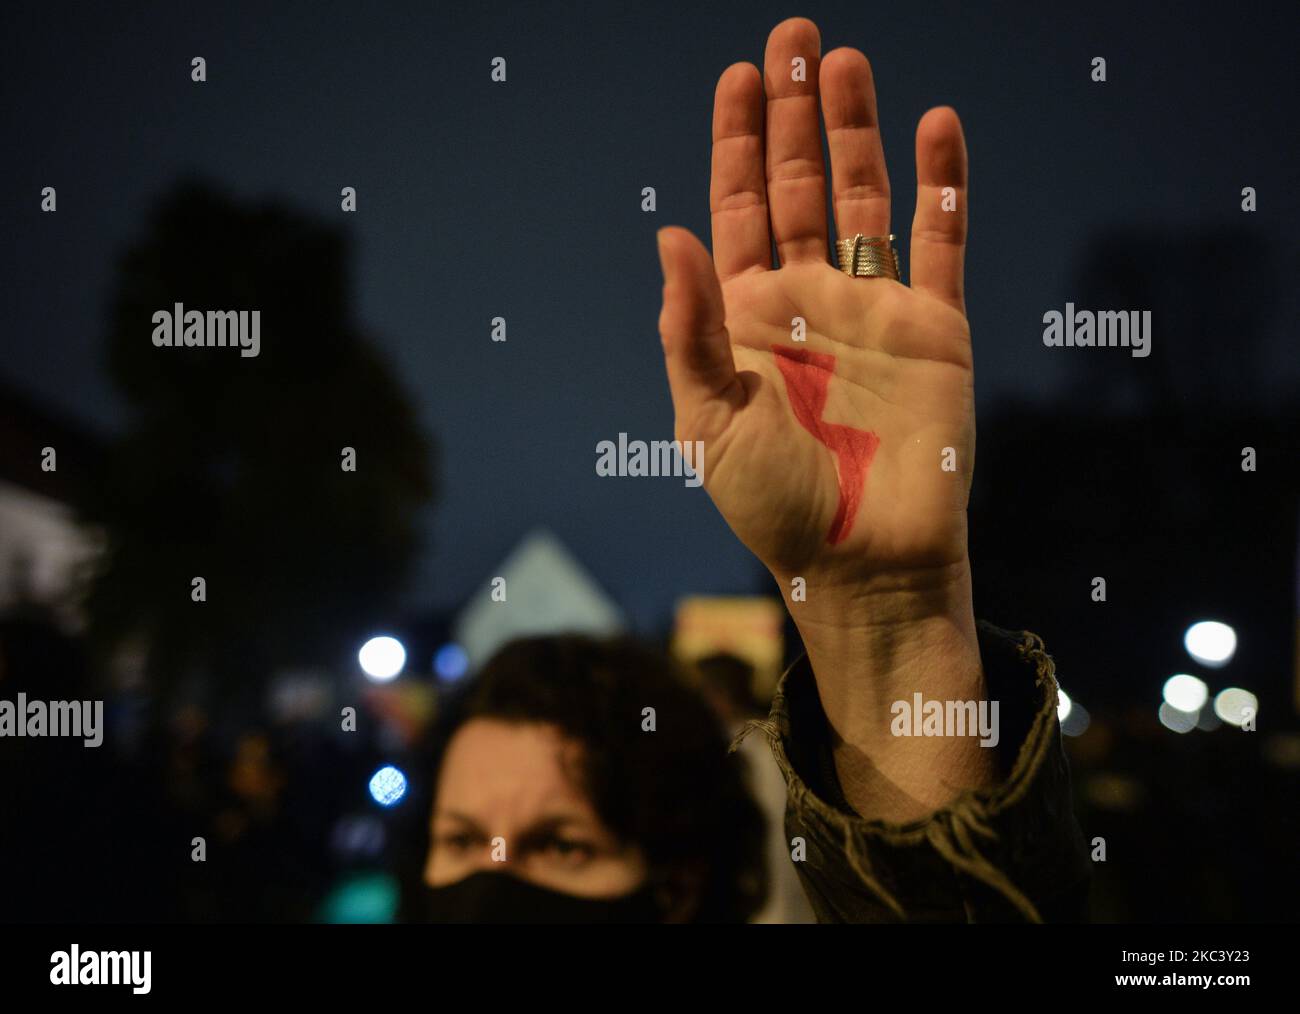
{"type": "Point", "coordinates": [796, 173]}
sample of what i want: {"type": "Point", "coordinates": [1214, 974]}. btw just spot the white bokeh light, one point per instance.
{"type": "Point", "coordinates": [1186, 693]}
{"type": "Point", "coordinates": [1235, 705]}
{"type": "Point", "coordinates": [1176, 720]}
{"type": "Point", "coordinates": [1063, 705]}
{"type": "Point", "coordinates": [382, 658]}
{"type": "Point", "coordinates": [1077, 721]}
{"type": "Point", "coordinates": [1210, 642]}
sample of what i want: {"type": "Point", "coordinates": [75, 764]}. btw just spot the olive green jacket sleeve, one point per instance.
{"type": "Point", "coordinates": [1013, 852]}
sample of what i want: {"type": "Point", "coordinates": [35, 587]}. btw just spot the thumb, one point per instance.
{"type": "Point", "coordinates": [692, 325]}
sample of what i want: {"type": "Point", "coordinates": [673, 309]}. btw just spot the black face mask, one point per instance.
{"type": "Point", "coordinates": [486, 897]}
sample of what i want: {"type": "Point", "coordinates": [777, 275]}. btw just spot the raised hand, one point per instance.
{"type": "Point", "coordinates": [900, 357]}
{"type": "Point", "coordinates": [827, 455]}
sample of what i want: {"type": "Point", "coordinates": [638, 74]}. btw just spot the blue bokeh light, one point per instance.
{"type": "Point", "coordinates": [451, 662]}
{"type": "Point", "coordinates": [387, 785]}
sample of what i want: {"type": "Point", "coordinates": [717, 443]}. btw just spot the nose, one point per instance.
{"type": "Point", "coordinates": [495, 856]}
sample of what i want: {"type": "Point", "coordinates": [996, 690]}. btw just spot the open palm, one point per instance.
{"type": "Point", "coordinates": [843, 449]}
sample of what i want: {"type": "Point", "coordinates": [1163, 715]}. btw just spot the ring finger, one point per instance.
{"type": "Point", "coordinates": [859, 179]}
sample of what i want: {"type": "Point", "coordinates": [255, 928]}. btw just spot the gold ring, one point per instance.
{"type": "Point", "coordinates": [868, 256]}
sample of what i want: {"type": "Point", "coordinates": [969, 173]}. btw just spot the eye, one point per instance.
{"type": "Point", "coordinates": [568, 852]}
{"type": "Point", "coordinates": [456, 841]}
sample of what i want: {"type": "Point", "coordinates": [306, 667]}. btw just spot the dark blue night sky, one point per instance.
{"type": "Point", "coordinates": [522, 200]}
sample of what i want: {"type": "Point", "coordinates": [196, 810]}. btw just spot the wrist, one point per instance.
{"type": "Point", "coordinates": [893, 629]}
{"type": "Point", "coordinates": [873, 643]}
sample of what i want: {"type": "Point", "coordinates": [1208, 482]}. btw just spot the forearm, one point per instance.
{"type": "Point", "coordinates": [875, 643]}
{"type": "Point", "coordinates": [1011, 850]}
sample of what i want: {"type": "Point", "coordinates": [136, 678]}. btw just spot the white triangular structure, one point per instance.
{"type": "Point", "coordinates": [546, 592]}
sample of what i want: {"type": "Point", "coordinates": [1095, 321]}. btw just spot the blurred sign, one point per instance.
{"type": "Point", "coordinates": [748, 627]}
{"type": "Point", "coordinates": [539, 589]}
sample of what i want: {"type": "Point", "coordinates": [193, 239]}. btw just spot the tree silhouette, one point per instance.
{"type": "Point", "coordinates": [230, 468]}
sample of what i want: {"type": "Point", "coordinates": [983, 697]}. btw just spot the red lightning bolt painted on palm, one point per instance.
{"type": "Point", "coordinates": [807, 382]}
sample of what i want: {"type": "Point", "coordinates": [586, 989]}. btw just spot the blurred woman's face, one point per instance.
{"type": "Point", "coordinates": [506, 801]}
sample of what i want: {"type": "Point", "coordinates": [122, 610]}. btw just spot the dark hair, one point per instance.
{"type": "Point", "coordinates": [732, 678]}
{"type": "Point", "coordinates": [674, 792]}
